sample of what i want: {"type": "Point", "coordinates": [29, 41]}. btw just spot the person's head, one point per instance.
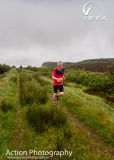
{"type": "Point", "coordinates": [60, 64]}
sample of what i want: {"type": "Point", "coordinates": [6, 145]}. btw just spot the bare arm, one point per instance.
{"type": "Point", "coordinates": [57, 79]}
{"type": "Point", "coordinates": [53, 77]}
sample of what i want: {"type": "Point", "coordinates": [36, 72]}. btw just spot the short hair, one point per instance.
{"type": "Point", "coordinates": [59, 63]}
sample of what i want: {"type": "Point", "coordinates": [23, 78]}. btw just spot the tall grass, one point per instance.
{"type": "Point", "coordinates": [39, 79]}
{"type": "Point", "coordinates": [31, 91]}
{"type": "Point", "coordinates": [6, 122]}
{"type": "Point", "coordinates": [8, 91]}
{"type": "Point", "coordinates": [6, 105]}
{"type": "Point", "coordinates": [43, 116]}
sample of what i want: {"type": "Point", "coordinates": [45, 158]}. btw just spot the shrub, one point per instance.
{"type": "Point", "coordinates": [4, 68]}
{"type": "Point", "coordinates": [91, 79]}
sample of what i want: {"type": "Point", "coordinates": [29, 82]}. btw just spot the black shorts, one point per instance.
{"type": "Point", "coordinates": [58, 88]}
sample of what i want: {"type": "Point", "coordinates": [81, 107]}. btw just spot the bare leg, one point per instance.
{"type": "Point", "coordinates": [60, 94]}
{"type": "Point", "coordinates": [54, 96]}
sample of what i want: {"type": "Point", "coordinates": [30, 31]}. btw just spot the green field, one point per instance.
{"type": "Point", "coordinates": [81, 123]}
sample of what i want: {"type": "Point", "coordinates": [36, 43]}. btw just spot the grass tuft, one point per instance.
{"type": "Point", "coordinates": [43, 116]}
{"type": "Point", "coordinates": [67, 133]}
{"type": "Point", "coordinates": [59, 143]}
{"type": "Point", "coordinates": [6, 106]}
{"type": "Point", "coordinates": [31, 91]}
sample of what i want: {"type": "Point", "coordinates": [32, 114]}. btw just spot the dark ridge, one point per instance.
{"type": "Point", "coordinates": [94, 65]}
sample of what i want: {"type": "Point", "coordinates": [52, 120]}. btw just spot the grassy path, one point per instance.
{"type": "Point", "coordinates": [92, 110]}
{"type": "Point", "coordinates": [97, 144]}
{"type": "Point", "coordinates": [19, 137]}
{"type": "Point", "coordinates": [78, 107]}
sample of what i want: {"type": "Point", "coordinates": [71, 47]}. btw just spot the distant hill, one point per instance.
{"type": "Point", "coordinates": [53, 64]}
{"type": "Point", "coordinates": [101, 60]}
{"type": "Point", "coordinates": [99, 65]}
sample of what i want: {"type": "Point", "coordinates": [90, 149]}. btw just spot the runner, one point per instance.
{"type": "Point", "coordinates": [58, 77]}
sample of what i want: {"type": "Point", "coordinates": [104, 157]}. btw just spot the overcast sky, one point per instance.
{"type": "Point", "coordinates": [35, 31]}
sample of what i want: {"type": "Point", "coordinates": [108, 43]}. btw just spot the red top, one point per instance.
{"type": "Point", "coordinates": [58, 73]}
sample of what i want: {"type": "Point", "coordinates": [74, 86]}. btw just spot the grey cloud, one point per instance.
{"type": "Point", "coordinates": [33, 31]}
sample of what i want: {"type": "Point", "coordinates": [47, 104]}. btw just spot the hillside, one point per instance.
{"type": "Point", "coordinates": [100, 65]}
